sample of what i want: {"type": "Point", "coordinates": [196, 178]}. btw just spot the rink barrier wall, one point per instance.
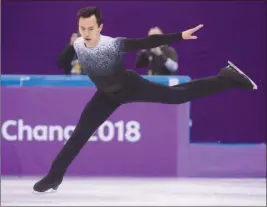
{"type": "Point", "coordinates": [39, 113]}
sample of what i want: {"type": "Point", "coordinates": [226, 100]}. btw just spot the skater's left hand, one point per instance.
{"type": "Point", "coordinates": [187, 35]}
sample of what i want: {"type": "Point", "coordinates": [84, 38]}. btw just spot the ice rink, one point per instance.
{"type": "Point", "coordinates": [136, 192]}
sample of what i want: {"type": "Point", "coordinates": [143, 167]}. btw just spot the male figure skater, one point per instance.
{"type": "Point", "coordinates": [101, 57]}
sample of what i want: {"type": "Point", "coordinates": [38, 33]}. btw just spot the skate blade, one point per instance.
{"type": "Point", "coordinates": [51, 191]}
{"type": "Point", "coordinates": [255, 87]}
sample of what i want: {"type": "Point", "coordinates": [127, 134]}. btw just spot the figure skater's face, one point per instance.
{"type": "Point", "coordinates": [90, 30]}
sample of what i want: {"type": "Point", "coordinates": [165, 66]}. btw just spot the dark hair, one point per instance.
{"type": "Point", "coordinates": [88, 12]}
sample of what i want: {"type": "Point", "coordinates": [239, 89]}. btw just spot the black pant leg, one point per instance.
{"type": "Point", "coordinates": [147, 91]}
{"type": "Point", "coordinates": [97, 110]}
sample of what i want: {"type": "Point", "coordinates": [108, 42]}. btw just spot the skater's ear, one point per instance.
{"type": "Point", "coordinates": [100, 27]}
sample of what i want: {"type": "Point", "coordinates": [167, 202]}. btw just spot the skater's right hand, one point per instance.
{"type": "Point", "coordinates": [187, 35]}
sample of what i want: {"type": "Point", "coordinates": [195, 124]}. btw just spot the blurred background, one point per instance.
{"type": "Point", "coordinates": [42, 85]}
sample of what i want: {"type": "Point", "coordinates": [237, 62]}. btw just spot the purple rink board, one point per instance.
{"type": "Point", "coordinates": [139, 139]}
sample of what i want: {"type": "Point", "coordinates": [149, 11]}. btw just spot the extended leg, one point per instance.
{"type": "Point", "coordinates": [94, 114]}
{"type": "Point", "coordinates": [228, 77]}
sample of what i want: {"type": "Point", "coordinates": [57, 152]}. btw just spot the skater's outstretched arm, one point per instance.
{"type": "Point", "coordinates": [150, 41]}
{"type": "Point", "coordinates": [158, 40]}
